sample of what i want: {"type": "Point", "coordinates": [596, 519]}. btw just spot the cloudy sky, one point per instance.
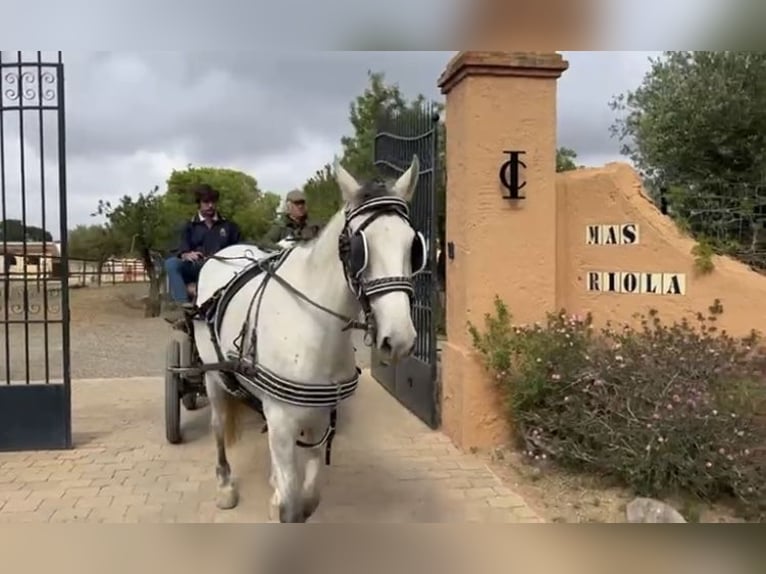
{"type": "Point", "coordinates": [133, 116]}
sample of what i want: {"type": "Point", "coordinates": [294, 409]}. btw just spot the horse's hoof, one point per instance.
{"type": "Point", "coordinates": [309, 507]}
{"type": "Point", "coordinates": [227, 498]}
{"type": "Point", "coordinates": [274, 507]}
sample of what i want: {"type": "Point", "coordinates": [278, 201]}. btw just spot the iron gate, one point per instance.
{"type": "Point", "coordinates": [414, 381]}
{"type": "Point", "coordinates": [35, 398]}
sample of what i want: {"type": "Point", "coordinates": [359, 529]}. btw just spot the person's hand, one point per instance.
{"type": "Point", "coordinates": [191, 256]}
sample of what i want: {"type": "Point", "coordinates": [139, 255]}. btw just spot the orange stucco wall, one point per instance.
{"type": "Point", "coordinates": [493, 105]}
{"type": "Point", "coordinates": [534, 252]}
{"type": "Point", "coordinates": [614, 195]}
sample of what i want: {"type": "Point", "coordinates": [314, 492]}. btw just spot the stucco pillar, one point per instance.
{"type": "Point", "coordinates": [496, 101]}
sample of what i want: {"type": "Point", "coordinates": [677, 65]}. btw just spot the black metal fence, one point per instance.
{"type": "Point", "coordinates": [726, 218]}
{"type": "Point", "coordinates": [35, 401]}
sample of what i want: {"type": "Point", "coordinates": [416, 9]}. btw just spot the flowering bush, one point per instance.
{"type": "Point", "coordinates": [664, 408]}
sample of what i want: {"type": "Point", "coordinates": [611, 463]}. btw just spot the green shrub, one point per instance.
{"type": "Point", "coordinates": [703, 257]}
{"type": "Point", "coordinates": [663, 408]}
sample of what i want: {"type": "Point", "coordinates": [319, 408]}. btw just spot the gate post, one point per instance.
{"type": "Point", "coordinates": [496, 102]}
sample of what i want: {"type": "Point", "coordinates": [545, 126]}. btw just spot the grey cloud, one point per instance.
{"type": "Point", "coordinates": [584, 93]}
{"type": "Point", "coordinates": [218, 106]}
{"type": "Point", "coordinates": [330, 24]}
{"type": "Point", "coordinates": [132, 116]}
{"type": "Point", "coordinates": [258, 110]}
{"type": "Point", "coordinates": [230, 24]}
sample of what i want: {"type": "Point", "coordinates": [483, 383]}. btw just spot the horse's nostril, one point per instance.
{"type": "Point", "coordinates": [385, 345]}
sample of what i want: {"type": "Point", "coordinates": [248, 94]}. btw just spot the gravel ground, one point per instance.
{"type": "Point", "coordinates": [109, 338]}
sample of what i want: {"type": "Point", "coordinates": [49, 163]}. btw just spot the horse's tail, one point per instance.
{"type": "Point", "coordinates": [233, 408]}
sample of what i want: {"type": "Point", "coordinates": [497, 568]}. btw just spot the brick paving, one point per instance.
{"type": "Point", "coordinates": [387, 467]}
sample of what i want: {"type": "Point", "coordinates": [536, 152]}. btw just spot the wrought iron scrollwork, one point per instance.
{"type": "Point", "coordinates": [35, 304]}
{"type": "Point", "coordinates": [54, 301]}
{"type": "Point", "coordinates": [29, 86]}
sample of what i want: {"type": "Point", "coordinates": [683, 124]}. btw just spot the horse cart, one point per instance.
{"type": "Point", "coordinates": [184, 380]}
{"type": "Point", "coordinates": [184, 375]}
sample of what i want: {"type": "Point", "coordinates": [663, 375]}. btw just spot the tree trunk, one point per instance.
{"type": "Point", "coordinates": [153, 302]}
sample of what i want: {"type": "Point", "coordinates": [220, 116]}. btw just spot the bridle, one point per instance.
{"type": "Point", "coordinates": [354, 255]}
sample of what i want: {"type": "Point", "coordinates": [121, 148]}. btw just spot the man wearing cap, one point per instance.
{"type": "Point", "coordinates": [205, 234]}
{"type": "Point", "coordinates": [294, 224]}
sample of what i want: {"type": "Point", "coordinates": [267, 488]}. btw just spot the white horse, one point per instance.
{"type": "Point", "coordinates": [280, 331]}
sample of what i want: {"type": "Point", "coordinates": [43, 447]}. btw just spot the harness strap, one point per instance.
{"type": "Point", "coordinates": [350, 323]}
{"type": "Point", "coordinates": [327, 438]}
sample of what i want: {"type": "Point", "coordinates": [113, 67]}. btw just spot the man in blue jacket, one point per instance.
{"type": "Point", "coordinates": [205, 234]}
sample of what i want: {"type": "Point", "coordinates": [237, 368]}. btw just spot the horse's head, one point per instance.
{"type": "Point", "coordinates": [381, 252]}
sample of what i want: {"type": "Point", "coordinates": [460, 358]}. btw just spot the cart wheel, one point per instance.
{"type": "Point", "coordinates": [190, 401]}
{"type": "Point", "coordinates": [172, 394]}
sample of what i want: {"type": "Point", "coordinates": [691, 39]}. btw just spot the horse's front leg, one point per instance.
{"type": "Point", "coordinates": [285, 476]}
{"type": "Point", "coordinates": [221, 406]}
{"type": "Point", "coordinates": [314, 464]}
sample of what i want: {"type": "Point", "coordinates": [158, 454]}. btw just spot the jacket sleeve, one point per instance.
{"type": "Point", "coordinates": [184, 244]}
{"type": "Point", "coordinates": [274, 234]}
{"type": "Point", "coordinates": [235, 234]}
{"type": "Point", "coordinates": [270, 239]}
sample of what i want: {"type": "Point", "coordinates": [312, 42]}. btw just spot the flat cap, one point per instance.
{"type": "Point", "coordinates": [296, 195]}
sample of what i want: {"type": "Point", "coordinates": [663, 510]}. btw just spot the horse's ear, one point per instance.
{"type": "Point", "coordinates": [349, 187]}
{"type": "Point", "coordinates": [406, 184]}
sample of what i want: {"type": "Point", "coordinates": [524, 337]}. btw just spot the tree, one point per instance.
{"type": "Point", "coordinates": [241, 199]}
{"type": "Point", "coordinates": [256, 219]}
{"type": "Point", "coordinates": [565, 159]}
{"type": "Point", "coordinates": [142, 226]}
{"type": "Point", "coordinates": [323, 194]}
{"type": "Point", "coordinates": [696, 126]}
{"type": "Point", "coordinates": [697, 116]}
{"type": "Point", "coordinates": [14, 230]}
{"type": "Point", "coordinates": [93, 243]}
{"type": "Point", "coordinates": [376, 108]}
{"type": "Point", "coordinates": [377, 103]}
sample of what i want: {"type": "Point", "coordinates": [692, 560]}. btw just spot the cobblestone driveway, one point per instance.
{"type": "Point", "coordinates": [387, 467]}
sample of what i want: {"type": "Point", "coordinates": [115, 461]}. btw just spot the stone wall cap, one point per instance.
{"type": "Point", "coordinates": [521, 64]}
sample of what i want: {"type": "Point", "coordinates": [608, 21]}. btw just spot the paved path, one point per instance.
{"type": "Point", "coordinates": [387, 467]}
